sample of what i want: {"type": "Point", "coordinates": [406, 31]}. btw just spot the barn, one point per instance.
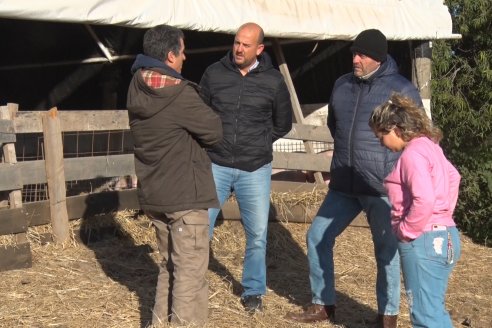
{"type": "Point", "coordinates": [77, 55]}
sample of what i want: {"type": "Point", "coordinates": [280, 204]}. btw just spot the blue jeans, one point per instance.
{"type": "Point", "coordinates": [252, 190]}
{"type": "Point", "coordinates": [334, 215]}
{"type": "Point", "coordinates": [426, 264]}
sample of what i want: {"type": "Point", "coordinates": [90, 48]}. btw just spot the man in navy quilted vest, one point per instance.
{"type": "Point", "coordinates": [359, 165]}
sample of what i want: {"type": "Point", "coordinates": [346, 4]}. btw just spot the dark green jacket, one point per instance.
{"type": "Point", "coordinates": [170, 126]}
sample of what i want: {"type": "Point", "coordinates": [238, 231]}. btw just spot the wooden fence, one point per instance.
{"type": "Point", "coordinates": [56, 171]}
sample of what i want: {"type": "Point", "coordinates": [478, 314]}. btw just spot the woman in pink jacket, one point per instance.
{"type": "Point", "coordinates": [423, 190]}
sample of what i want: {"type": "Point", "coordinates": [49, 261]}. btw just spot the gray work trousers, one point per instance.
{"type": "Point", "coordinates": [182, 289]}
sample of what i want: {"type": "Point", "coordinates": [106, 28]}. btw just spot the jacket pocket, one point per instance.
{"type": "Point", "coordinates": [204, 182]}
{"type": "Point", "coordinates": [190, 233]}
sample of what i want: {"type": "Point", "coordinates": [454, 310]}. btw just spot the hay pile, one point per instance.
{"type": "Point", "coordinates": [110, 280]}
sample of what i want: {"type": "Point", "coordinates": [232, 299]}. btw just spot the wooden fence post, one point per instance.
{"type": "Point", "coordinates": [19, 256]}
{"type": "Point", "coordinates": [421, 71]}
{"type": "Point", "coordinates": [9, 155]}
{"type": "Point", "coordinates": [55, 174]}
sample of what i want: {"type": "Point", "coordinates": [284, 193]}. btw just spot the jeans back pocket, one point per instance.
{"type": "Point", "coordinates": [436, 245]}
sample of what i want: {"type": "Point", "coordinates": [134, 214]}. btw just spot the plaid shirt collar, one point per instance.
{"type": "Point", "coordinates": [157, 80]}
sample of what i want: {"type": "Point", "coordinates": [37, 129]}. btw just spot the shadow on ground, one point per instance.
{"type": "Point", "coordinates": [288, 273]}
{"type": "Point", "coordinates": [121, 258]}
{"type": "Point", "coordinates": [288, 276]}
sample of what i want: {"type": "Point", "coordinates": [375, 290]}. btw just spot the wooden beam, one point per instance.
{"type": "Point", "coordinates": [85, 168]}
{"type": "Point", "coordinates": [309, 132]}
{"type": "Point", "coordinates": [16, 257]}
{"type": "Point", "coordinates": [7, 133]}
{"type": "Point", "coordinates": [103, 202]}
{"type": "Point", "coordinates": [28, 172]}
{"type": "Point", "coordinates": [12, 178]}
{"type": "Point", "coordinates": [77, 120]}
{"type": "Point", "coordinates": [6, 137]}
{"type": "Point", "coordinates": [80, 168]}
{"type": "Point", "coordinates": [296, 187]}
{"type": "Point", "coordinates": [31, 214]}
{"type": "Point", "coordinates": [300, 161]}
{"type": "Point", "coordinates": [320, 57]}
{"type": "Point", "coordinates": [87, 120]}
{"type": "Point", "coordinates": [284, 69]}
{"type": "Point", "coordinates": [14, 220]}
{"type": "Point", "coordinates": [296, 214]}
{"type": "Point", "coordinates": [37, 213]}
{"type": "Point", "coordinates": [84, 206]}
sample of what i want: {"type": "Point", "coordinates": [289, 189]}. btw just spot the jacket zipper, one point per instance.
{"type": "Point", "coordinates": [236, 115]}
{"type": "Point", "coordinates": [351, 135]}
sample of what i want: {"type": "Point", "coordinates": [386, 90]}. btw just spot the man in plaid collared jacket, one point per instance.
{"type": "Point", "coordinates": [170, 126]}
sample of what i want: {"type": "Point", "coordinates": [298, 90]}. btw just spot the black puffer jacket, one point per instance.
{"type": "Point", "coordinates": [255, 110]}
{"type": "Point", "coordinates": [360, 162]}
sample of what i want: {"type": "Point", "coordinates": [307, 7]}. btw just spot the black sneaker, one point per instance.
{"type": "Point", "coordinates": [252, 303]}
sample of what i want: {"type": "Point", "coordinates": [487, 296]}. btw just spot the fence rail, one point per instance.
{"type": "Point", "coordinates": [16, 174]}
{"type": "Point", "coordinates": [82, 168]}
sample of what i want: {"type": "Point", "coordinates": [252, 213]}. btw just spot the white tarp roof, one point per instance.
{"type": "Point", "coordinates": [300, 19]}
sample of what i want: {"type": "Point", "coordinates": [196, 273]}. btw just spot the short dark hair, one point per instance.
{"type": "Point", "coordinates": [161, 39]}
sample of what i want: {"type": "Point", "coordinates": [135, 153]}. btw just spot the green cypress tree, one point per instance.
{"type": "Point", "coordinates": [462, 108]}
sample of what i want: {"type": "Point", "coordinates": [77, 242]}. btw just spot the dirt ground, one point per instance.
{"type": "Point", "coordinates": [110, 280]}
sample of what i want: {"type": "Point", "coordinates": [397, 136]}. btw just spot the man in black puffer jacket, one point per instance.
{"type": "Point", "coordinates": [359, 165]}
{"type": "Point", "coordinates": [253, 102]}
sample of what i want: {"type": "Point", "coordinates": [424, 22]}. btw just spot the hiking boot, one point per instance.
{"type": "Point", "coordinates": [313, 313]}
{"type": "Point", "coordinates": [252, 303]}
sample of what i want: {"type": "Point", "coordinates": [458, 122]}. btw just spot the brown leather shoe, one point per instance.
{"type": "Point", "coordinates": [387, 321]}
{"type": "Point", "coordinates": [313, 313]}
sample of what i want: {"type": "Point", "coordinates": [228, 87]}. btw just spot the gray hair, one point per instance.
{"type": "Point", "coordinates": [160, 40]}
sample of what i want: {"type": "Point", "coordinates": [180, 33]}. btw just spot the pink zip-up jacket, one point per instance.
{"type": "Point", "coordinates": [422, 189]}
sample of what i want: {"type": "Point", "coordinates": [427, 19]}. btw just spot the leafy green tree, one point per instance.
{"type": "Point", "coordinates": [462, 107]}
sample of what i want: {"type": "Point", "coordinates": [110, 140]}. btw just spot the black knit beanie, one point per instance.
{"type": "Point", "coordinates": [371, 43]}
